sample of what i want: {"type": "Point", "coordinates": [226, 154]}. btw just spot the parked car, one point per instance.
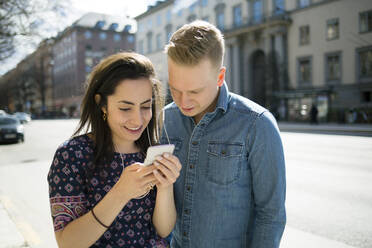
{"type": "Point", "coordinates": [2, 112]}
{"type": "Point", "coordinates": [11, 129]}
{"type": "Point", "coordinates": [22, 117]}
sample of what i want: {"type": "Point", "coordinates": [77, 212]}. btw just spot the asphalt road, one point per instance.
{"type": "Point", "coordinates": [329, 182]}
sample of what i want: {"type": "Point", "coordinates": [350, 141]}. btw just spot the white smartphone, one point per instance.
{"type": "Point", "coordinates": [157, 150]}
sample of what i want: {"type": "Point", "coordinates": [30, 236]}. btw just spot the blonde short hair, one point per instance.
{"type": "Point", "coordinates": [196, 41]}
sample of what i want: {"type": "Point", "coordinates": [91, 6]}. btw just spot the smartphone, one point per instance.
{"type": "Point", "coordinates": [157, 150]}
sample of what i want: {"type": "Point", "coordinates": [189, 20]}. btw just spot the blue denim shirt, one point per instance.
{"type": "Point", "coordinates": [231, 190]}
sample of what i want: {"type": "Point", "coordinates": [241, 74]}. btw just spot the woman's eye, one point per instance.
{"type": "Point", "coordinates": [124, 109]}
{"type": "Point", "coordinates": [146, 107]}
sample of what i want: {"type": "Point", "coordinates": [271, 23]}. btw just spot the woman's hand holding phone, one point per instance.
{"type": "Point", "coordinates": [168, 170]}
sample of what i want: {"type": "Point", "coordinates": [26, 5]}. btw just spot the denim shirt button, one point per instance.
{"type": "Point", "coordinates": [186, 211]}
{"type": "Point", "coordinates": [191, 166]}
{"type": "Point", "coordinates": [194, 143]}
{"type": "Point", "coordinates": [188, 188]}
{"type": "Point", "coordinates": [223, 152]}
{"type": "Point", "coordinates": [184, 233]}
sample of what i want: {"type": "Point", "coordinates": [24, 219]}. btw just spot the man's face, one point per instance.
{"type": "Point", "coordinates": [195, 88]}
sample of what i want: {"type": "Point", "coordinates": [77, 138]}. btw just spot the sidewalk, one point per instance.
{"type": "Point", "coordinates": [328, 128]}
{"type": "Point", "coordinates": [10, 237]}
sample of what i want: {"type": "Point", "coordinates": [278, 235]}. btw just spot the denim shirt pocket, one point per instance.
{"type": "Point", "coordinates": [224, 162]}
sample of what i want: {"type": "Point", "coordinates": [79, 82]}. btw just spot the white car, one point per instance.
{"type": "Point", "coordinates": [22, 117]}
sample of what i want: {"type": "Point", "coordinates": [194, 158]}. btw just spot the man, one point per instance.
{"type": "Point", "coordinates": [231, 190]}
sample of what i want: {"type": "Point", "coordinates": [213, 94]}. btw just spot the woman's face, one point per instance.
{"type": "Point", "coordinates": [129, 110]}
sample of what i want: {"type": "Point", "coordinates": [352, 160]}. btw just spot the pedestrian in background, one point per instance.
{"type": "Point", "coordinates": [314, 114]}
{"type": "Point", "coordinates": [231, 191]}
{"type": "Point", "coordinates": [100, 195]}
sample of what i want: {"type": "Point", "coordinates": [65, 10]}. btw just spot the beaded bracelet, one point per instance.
{"type": "Point", "coordinates": [100, 222]}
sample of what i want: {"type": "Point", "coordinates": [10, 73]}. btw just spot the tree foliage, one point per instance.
{"type": "Point", "coordinates": [26, 18]}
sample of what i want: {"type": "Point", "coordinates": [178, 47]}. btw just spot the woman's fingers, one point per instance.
{"type": "Point", "coordinates": [160, 177]}
{"type": "Point", "coordinates": [173, 159]}
{"type": "Point", "coordinates": [168, 173]}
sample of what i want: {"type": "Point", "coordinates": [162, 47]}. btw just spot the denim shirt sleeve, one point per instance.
{"type": "Point", "coordinates": [266, 159]}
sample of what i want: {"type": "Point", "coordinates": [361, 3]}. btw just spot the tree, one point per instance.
{"type": "Point", "coordinates": [27, 18]}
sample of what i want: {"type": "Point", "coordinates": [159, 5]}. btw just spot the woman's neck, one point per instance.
{"type": "Point", "coordinates": [125, 147]}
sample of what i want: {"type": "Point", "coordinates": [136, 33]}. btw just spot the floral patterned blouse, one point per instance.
{"type": "Point", "coordinates": [72, 195]}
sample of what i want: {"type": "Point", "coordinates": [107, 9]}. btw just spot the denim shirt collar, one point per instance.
{"type": "Point", "coordinates": [223, 98]}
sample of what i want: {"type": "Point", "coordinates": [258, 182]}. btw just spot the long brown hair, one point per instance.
{"type": "Point", "coordinates": [103, 81]}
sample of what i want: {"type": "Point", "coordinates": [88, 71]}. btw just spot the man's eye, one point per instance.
{"type": "Point", "coordinates": [146, 107]}
{"type": "Point", "coordinates": [124, 109]}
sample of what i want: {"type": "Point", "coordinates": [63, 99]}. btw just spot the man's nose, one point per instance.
{"type": "Point", "coordinates": [185, 100]}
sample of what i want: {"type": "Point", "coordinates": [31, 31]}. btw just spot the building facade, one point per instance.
{"type": "Point", "coordinates": [79, 48]}
{"type": "Point", "coordinates": [284, 54]}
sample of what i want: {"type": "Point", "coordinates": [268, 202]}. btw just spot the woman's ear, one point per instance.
{"type": "Point", "coordinates": [97, 98]}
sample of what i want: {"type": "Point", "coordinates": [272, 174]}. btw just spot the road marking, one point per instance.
{"type": "Point", "coordinates": [28, 233]}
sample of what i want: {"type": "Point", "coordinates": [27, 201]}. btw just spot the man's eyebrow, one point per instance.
{"type": "Point", "coordinates": [131, 103]}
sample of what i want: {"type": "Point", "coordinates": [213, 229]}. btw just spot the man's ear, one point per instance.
{"type": "Point", "coordinates": [221, 76]}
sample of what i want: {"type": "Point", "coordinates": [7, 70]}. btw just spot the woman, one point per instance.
{"type": "Point", "coordinates": [100, 195]}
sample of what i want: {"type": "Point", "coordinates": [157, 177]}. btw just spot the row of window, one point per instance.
{"type": "Point", "coordinates": [178, 7]}
{"type": "Point", "coordinates": [333, 28]}
{"type": "Point", "coordinates": [103, 36]}
{"type": "Point", "coordinates": [333, 65]}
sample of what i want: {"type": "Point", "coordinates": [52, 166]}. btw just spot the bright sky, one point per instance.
{"type": "Point", "coordinates": [113, 7]}
{"type": "Point", "coordinates": [121, 8]}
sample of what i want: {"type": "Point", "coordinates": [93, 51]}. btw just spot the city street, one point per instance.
{"type": "Point", "coordinates": [329, 182]}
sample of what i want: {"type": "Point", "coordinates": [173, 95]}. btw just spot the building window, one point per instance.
{"type": "Point", "coordinates": [333, 67]}
{"type": "Point", "coordinates": [140, 27]}
{"type": "Point", "coordinates": [237, 13]}
{"type": "Point", "coordinates": [117, 37]}
{"type": "Point", "coordinates": [204, 3]}
{"type": "Point", "coordinates": [100, 24]}
{"type": "Point", "coordinates": [221, 20]}
{"type": "Point", "coordinates": [279, 7]}
{"type": "Point", "coordinates": [149, 23]}
{"type": "Point", "coordinates": [102, 36]}
{"type": "Point", "coordinates": [257, 10]}
{"type": "Point", "coordinates": [169, 16]}
{"type": "Point", "coordinates": [168, 32]}
{"type": "Point", "coordinates": [303, 3]}
{"type": "Point", "coordinates": [89, 61]}
{"type": "Point", "coordinates": [365, 63]}
{"type": "Point", "coordinates": [191, 18]}
{"type": "Point", "coordinates": [304, 35]}
{"type": "Point", "coordinates": [140, 47]}
{"type": "Point", "coordinates": [192, 7]}
{"type": "Point", "coordinates": [88, 34]}
{"type": "Point", "coordinates": [220, 16]}
{"type": "Point", "coordinates": [149, 42]}
{"type": "Point", "coordinates": [365, 21]}
{"type": "Point", "coordinates": [367, 96]}
{"type": "Point", "coordinates": [158, 19]}
{"type": "Point", "coordinates": [304, 70]}
{"type": "Point", "coordinates": [158, 42]}
{"type": "Point", "coordinates": [130, 38]}
{"type": "Point", "coordinates": [179, 12]}
{"type": "Point", "coordinates": [333, 30]}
